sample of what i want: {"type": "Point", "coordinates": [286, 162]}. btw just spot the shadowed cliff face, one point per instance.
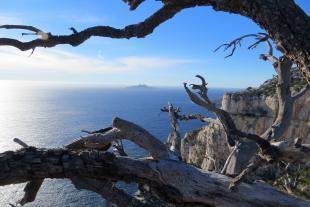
{"type": "Point", "coordinates": [253, 111]}
{"type": "Point", "coordinates": [256, 113]}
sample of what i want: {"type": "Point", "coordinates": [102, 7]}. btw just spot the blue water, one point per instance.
{"type": "Point", "coordinates": [52, 116]}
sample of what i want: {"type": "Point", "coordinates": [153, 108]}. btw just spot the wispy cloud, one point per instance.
{"type": "Point", "coordinates": [10, 19]}
{"type": "Point", "coordinates": [61, 61]}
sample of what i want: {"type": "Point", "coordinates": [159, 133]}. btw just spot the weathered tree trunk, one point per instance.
{"type": "Point", "coordinates": [171, 180]}
{"type": "Point", "coordinates": [285, 22]}
{"type": "Point", "coordinates": [174, 181]}
{"type": "Point", "coordinates": [243, 153]}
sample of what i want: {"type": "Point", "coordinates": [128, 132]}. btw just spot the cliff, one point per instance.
{"type": "Point", "coordinates": [253, 110]}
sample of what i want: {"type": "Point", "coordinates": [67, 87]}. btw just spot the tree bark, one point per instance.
{"type": "Point", "coordinates": [285, 22]}
{"type": "Point", "coordinates": [175, 182]}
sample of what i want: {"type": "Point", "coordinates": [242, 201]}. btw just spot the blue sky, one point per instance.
{"type": "Point", "coordinates": [175, 52]}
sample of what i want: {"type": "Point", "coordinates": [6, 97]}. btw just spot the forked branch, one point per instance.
{"type": "Point", "coordinates": [138, 30]}
{"type": "Point", "coordinates": [174, 138]}
{"type": "Point", "coordinates": [122, 129]}
{"type": "Point", "coordinates": [260, 37]}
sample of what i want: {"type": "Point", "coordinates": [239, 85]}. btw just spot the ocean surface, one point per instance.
{"type": "Point", "coordinates": [49, 115]}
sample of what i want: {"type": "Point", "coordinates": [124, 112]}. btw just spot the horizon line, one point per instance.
{"type": "Point", "coordinates": [108, 85]}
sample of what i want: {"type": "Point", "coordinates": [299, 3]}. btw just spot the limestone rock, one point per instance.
{"type": "Point", "coordinates": [253, 111]}
{"type": "Point", "coordinates": [254, 114]}
{"type": "Point", "coordinates": [206, 147]}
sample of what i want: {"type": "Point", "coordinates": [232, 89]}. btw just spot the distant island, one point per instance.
{"type": "Point", "coordinates": [139, 86]}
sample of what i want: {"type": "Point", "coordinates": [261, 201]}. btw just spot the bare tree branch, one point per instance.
{"type": "Point", "coordinates": [123, 129]}
{"type": "Point", "coordinates": [282, 67]}
{"type": "Point", "coordinates": [97, 131]}
{"type": "Point", "coordinates": [257, 162]}
{"type": "Point", "coordinates": [301, 92]}
{"type": "Point", "coordinates": [174, 138]}
{"type": "Point", "coordinates": [285, 100]}
{"type": "Point", "coordinates": [108, 191]}
{"type": "Point", "coordinates": [232, 133]}
{"type": "Point", "coordinates": [188, 117]}
{"type": "Point", "coordinates": [286, 32]}
{"type": "Point", "coordinates": [223, 171]}
{"type": "Point", "coordinates": [260, 37]}
{"type": "Point", "coordinates": [119, 147]}
{"type": "Point", "coordinates": [269, 152]}
{"type": "Point", "coordinates": [138, 30]}
{"type": "Point", "coordinates": [20, 142]}
{"type": "Point", "coordinates": [31, 189]}
{"type": "Point", "coordinates": [24, 27]}
{"type": "Point", "coordinates": [174, 181]}
{"type": "Point", "coordinates": [204, 102]}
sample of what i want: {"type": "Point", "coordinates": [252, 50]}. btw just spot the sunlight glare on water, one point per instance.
{"type": "Point", "coordinates": [51, 115]}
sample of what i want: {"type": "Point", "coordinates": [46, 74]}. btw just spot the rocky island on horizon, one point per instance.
{"type": "Point", "coordinates": [140, 86]}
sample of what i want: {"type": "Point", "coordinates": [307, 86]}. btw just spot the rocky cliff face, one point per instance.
{"type": "Point", "coordinates": [256, 113]}
{"type": "Point", "coordinates": [253, 110]}
{"type": "Point", "coordinates": [206, 147]}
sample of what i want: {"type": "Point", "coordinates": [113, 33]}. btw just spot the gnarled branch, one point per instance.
{"type": "Point", "coordinates": [123, 129]}
{"type": "Point", "coordinates": [175, 182]}
{"type": "Point", "coordinates": [282, 26]}
{"type": "Point", "coordinates": [174, 138]}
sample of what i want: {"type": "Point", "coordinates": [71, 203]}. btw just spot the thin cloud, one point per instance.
{"type": "Point", "coordinates": [10, 19]}
{"type": "Point", "coordinates": [61, 61]}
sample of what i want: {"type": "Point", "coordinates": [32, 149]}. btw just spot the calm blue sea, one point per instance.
{"type": "Point", "coordinates": [46, 115]}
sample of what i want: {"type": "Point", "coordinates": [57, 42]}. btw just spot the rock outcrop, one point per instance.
{"type": "Point", "coordinates": [206, 147]}
{"type": "Point", "coordinates": [254, 114]}
{"type": "Point", "coordinates": [253, 111]}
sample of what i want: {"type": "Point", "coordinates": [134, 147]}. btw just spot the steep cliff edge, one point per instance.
{"type": "Point", "coordinates": [253, 110]}
{"type": "Point", "coordinates": [256, 113]}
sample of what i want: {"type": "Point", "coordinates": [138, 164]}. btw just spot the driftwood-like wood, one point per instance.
{"type": "Point", "coordinates": [175, 182]}
{"type": "Point", "coordinates": [108, 191]}
{"type": "Point", "coordinates": [269, 152]}
{"type": "Point", "coordinates": [169, 179]}
{"type": "Point", "coordinates": [123, 129]}
{"type": "Point", "coordinates": [174, 138]}
{"type": "Point", "coordinates": [286, 23]}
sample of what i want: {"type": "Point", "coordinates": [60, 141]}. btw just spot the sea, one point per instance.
{"type": "Point", "coordinates": [51, 115]}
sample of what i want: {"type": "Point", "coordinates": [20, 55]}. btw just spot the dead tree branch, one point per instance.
{"type": "Point", "coordinates": [108, 191]}
{"type": "Point", "coordinates": [232, 133]}
{"type": "Point", "coordinates": [138, 30]}
{"type": "Point", "coordinates": [174, 181]}
{"type": "Point", "coordinates": [188, 117]}
{"type": "Point", "coordinates": [261, 37]}
{"type": "Point", "coordinates": [282, 67]}
{"type": "Point", "coordinates": [268, 151]}
{"type": "Point", "coordinates": [20, 142]}
{"type": "Point", "coordinates": [123, 129]}
{"type": "Point", "coordinates": [283, 27]}
{"type": "Point", "coordinates": [301, 92]}
{"type": "Point", "coordinates": [119, 147]}
{"type": "Point", "coordinates": [174, 138]}
{"type": "Point", "coordinates": [257, 162]}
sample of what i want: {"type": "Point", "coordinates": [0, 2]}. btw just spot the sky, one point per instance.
{"type": "Point", "coordinates": [174, 53]}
